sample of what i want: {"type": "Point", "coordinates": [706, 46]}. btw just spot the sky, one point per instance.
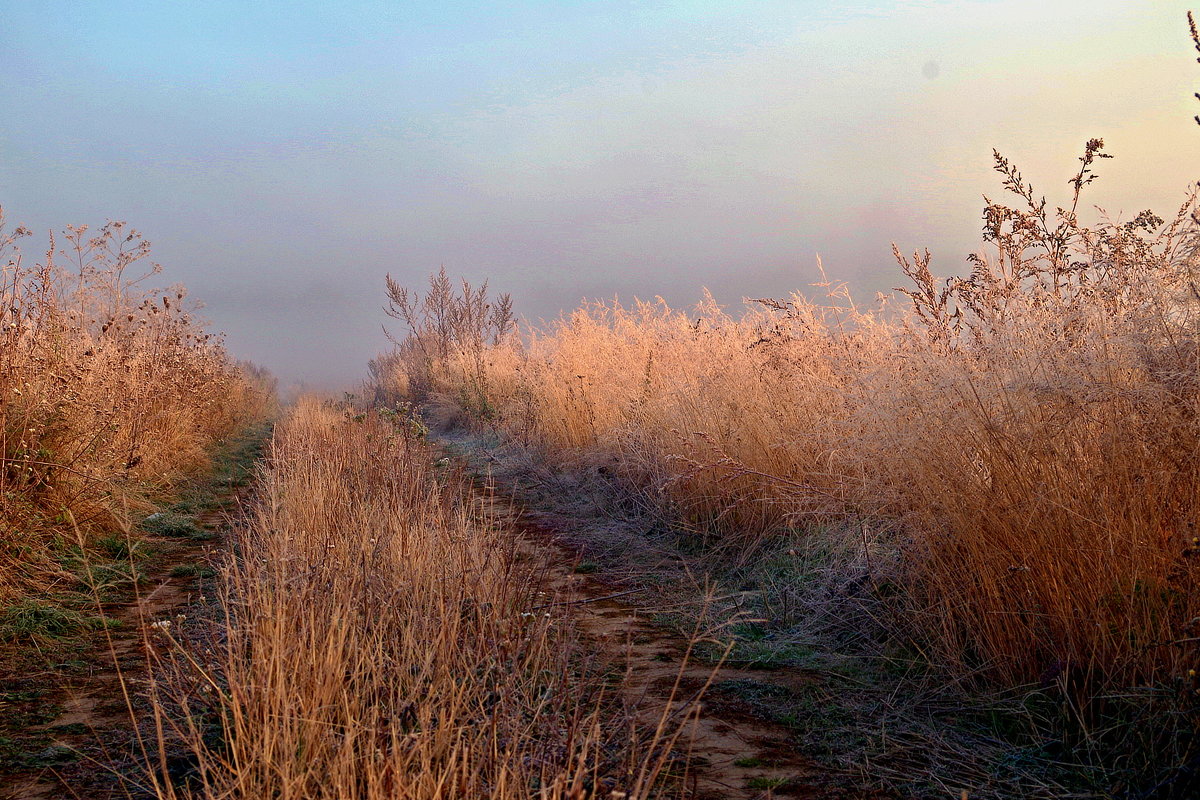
{"type": "Point", "coordinates": [283, 157]}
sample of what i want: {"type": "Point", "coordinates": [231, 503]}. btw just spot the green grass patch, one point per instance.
{"type": "Point", "coordinates": [33, 753]}
{"type": "Point", "coordinates": [121, 548]}
{"type": "Point", "coordinates": [105, 578]}
{"type": "Point", "coordinates": [766, 654]}
{"type": "Point", "coordinates": [25, 707]}
{"type": "Point", "coordinates": [32, 619]}
{"type": "Point", "coordinates": [193, 571]}
{"type": "Point", "coordinates": [170, 525]}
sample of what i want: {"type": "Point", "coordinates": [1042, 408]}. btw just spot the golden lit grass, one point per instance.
{"type": "Point", "coordinates": [1048, 493]}
{"type": "Point", "coordinates": [109, 393]}
{"type": "Point", "coordinates": [380, 643]}
{"type": "Point", "coordinates": [1027, 434]}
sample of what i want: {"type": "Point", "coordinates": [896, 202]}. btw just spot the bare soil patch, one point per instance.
{"type": "Point", "coordinates": [733, 752]}
{"type": "Point", "coordinates": [71, 707]}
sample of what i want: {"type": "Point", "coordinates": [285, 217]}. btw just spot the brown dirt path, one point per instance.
{"type": "Point", "coordinates": [734, 754]}
{"type": "Point", "coordinates": [97, 705]}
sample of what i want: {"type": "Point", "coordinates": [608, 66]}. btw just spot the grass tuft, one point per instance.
{"type": "Point", "coordinates": [192, 571]}
{"type": "Point", "coordinates": [31, 620]}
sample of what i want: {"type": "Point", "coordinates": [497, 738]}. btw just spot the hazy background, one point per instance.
{"type": "Point", "coordinates": [283, 156]}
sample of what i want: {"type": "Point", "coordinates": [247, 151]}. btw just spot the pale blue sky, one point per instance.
{"type": "Point", "coordinates": [283, 156]}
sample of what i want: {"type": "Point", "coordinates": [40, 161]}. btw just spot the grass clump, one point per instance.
{"type": "Point", "coordinates": [108, 579]}
{"type": "Point", "coordinates": [33, 753]}
{"type": "Point", "coordinates": [121, 548]}
{"type": "Point", "coordinates": [31, 619]}
{"type": "Point", "coordinates": [192, 571]}
{"type": "Point", "coordinates": [172, 525]}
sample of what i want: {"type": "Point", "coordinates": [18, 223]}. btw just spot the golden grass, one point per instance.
{"type": "Point", "coordinates": [1027, 436]}
{"type": "Point", "coordinates": [109, 393]}
{"type": "Point", "coordinates": [380, 643]}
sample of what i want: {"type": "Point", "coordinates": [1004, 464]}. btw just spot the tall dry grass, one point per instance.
{"type": "Point", "coordinates": [110, 391]}
{"type": "Point", "coordinates": [1025, 436]}
{"type": "Point", "coordinates": [385, 639]}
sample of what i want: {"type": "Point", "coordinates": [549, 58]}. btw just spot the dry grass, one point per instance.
{"type": "Point", "coordinates": [380, 643]}
{"type": "Point", "coordinates": [109, 392]}
{"type": "Point", "coordinates": [1026, 437]}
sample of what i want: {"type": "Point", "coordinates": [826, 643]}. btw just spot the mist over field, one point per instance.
{"type": "Point", "coordinates": [283, 157]}
{"type": "Point", "coordinates": [564, 402]}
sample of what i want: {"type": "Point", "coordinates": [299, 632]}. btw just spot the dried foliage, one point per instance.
{"type": "Point", "coordinates": [443, 325]}
{"type": "Point", "coordinates": [1028, 434]}
{"type": "Point", "coordinates": [109, 392]}
{"type": "Point", "coordinates": [384, 640]}
{"type": "Point", "coordinates": [1196, 43]}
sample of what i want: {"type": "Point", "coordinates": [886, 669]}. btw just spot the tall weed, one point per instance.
{"type": "Point", "coordinates": [1025, 435]}
{"type": "Point", "coordinates": [110, 391]}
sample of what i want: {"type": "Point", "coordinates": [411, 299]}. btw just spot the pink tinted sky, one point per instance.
{"type": "Point", "coordinates": [283, 157]}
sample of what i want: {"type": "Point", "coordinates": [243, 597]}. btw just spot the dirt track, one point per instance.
{"type": "Point", "coordinates": [95, 708]}
{"type": "Point", "coordinates": [733, 753]}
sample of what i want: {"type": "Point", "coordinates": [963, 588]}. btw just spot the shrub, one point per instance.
{"type": "Point", "coordinates": [110, 392]}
